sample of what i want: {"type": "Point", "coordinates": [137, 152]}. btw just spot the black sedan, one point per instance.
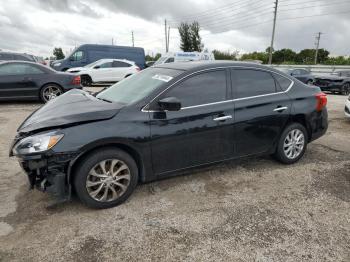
{"type": "Point", "coordinates": [26, 80]}
{"type": "Point", "coordinates": [337, 83]}
{"type": "Point", "coordinates": [163, 121]}
{"type": "Point", "coordinates": [300, 74]}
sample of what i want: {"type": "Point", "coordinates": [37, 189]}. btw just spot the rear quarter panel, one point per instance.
{"type": "Point", "coordinates": [304, 105]}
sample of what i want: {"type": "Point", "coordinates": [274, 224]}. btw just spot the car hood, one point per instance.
{"type": "Point", "coordinates": [75, 106]}
{"type": "Point", "coordinates": [76, 69]}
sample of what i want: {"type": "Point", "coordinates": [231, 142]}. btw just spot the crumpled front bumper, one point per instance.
{"type": "Point", "coordinates": [49, 173]}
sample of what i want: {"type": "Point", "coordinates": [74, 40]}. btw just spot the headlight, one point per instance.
{"type": "Point", "coordinates": [37, 143]}
{"type": "Point", "coordinates": [57, 64]}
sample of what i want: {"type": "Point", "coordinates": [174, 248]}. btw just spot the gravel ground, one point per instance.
{"type": "Point", "coordinates": [252, 209]}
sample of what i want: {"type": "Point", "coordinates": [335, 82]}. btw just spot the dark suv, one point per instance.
{"type": "Point", "coordinates": [163, 121]}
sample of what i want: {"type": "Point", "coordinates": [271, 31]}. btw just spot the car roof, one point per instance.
{"type": "Point", "coordinates": [115, 59]}
{"type": "Point", "coordinates": [201, 65]}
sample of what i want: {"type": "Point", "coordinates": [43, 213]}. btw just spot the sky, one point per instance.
{"type": "Point", "coordinates": [37, 26]}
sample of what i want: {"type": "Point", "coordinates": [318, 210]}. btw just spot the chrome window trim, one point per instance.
{"type": "Point", "coordinates": [225, 101]}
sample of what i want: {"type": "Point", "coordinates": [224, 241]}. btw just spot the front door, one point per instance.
{"type": "Point", "coordinates": [202, 131]}
{"type": "Point", "coordinates": [262, 110]}
{"type": "Point", "coordinates": [19, 80]}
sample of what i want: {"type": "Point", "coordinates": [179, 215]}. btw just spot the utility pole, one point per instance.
{"type": "Point", "coordinates": [166, 36]}
{"type": "Point", "coordinates": [132, 39]}
{"type": "Point", "coordinates": [112, 41]}
{"type": "Point", "coordinates": [273, 32]}
{"type": "Point", "coordinates": [318, 38]}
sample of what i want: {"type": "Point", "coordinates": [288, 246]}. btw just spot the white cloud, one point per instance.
{"type": "Point", "coordinates": [38, 26]}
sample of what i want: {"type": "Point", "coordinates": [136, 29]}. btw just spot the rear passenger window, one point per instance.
{"type": "Point", "coordinates": [201, 89]}
{"type": "Point", "coordinates": [283, 82]}
{"type": "Point", "coordinates": [249, 82]}
{"type": "Point", "coordinates": [120, 64]}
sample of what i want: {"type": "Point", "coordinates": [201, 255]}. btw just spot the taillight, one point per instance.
{"type": "Point", "coordinates": [76, 81]}
{"type": "Point", "coordinates": [138, 69]}
{"type": "Point", "coordinates": [321, 101]}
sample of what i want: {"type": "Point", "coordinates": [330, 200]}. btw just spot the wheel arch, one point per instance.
{"type": "Point", "coordinates": [115, 145]}
{"type": "Point", "coordinates": [301, 119]}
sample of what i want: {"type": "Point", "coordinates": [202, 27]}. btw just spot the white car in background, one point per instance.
{"type": "Point", "coordinates": [347, 108]}
{"type": "Point", "coordinates": [105, 70]}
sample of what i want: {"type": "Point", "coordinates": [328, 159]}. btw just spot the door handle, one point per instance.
{"type": "Point", "coordinates": [280, 108]}
{"type": "Point", "coordinates": [223, 118]}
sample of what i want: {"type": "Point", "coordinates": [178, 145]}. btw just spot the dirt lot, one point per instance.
{"type": "Point", "coordinates": [248, 210]}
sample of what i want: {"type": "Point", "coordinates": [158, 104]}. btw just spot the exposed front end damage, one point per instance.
{"type": "Point", "coordinates": [49, 173]}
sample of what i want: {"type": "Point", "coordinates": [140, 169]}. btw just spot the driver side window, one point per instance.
{"type": "Point", "coordinates": [200, 89]}
{"type": "Point", "coordinates": [77, 56]}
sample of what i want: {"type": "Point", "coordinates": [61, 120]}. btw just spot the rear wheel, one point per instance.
{"type": "Point", "coordinates": [86, 80]}
{"type": "Point", "coordinates": [106, 178]}
{"type": "Point", "coordinates": [345, 89]}
{"type": "Point", "coordinates": [292, 144]}
{"type": "Point", "coordinates": [49, 92]}
{"type": "Point", "coordinates": [310, 82]}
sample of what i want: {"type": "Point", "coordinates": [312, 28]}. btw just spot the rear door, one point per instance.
{"type": "Point", "coordinates": [202, 131]}
{"type": "Point", "coordinates": [262, 110]}
{"type": "Point", "coordinates": [19, 80]}
{"type": "Point", "coordinates": [120, 70]}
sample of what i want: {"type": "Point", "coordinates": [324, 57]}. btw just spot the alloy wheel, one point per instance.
{"type": "Point", "coordinates": [50, 92]}
{"type": "Point", "coordinates": [108, 180]}
{"type": "Point", "coordinates": [294, 144]}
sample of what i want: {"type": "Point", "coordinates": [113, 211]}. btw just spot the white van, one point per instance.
{"type": "Point", "coordinates": [184, 57]}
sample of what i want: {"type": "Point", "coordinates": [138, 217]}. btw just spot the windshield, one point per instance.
{"type": "Point", "coordinates": [161, 60]}
{"type": "Point", "coordinates": [137, 87]}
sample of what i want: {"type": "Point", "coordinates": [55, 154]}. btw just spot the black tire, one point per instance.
{"type": "Point", "coordinates": [280, 153]}
{"type": "Point", "coordinates": [43, 92]}
{"type": "Point", "coordinates": [90, 162]}
{"type": "Point", "coordinates": [310, 82]}
{"type": "Point", "coordinates": [345, 89]}
{"type": "Point", "coordinates": [86, 80]}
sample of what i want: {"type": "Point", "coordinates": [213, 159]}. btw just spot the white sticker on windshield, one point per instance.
{"type": "Point", "coordinates": [163, 78]}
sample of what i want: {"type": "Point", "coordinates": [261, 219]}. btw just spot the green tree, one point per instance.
{"type": "Point", "coordinates": [153, 58]}
{"type": "Point", "coordinates": [306, 56]}
{"type": "Point", "coordinates": [283, 56]}
{"type": "Point", "coordinates": [225, 55]}
{"type": "Point", "coordinates": [190, 38]}
{"type": "Point", "coordinates": [260, 56]}
{"type": "Point", "coordinates": [196, 40]}
{"type": "Point", "coordinates": [58, 53]}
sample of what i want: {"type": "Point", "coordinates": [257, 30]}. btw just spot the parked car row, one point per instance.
{"type": "Point", "coordinates": [22, 80]}
{"type": "Point", "coordinates": [338, 82]}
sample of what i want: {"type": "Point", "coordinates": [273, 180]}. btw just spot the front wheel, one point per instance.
{"type": "Point", "coordinates": [345, 89]}
{"type": "Point", "coordinates": [106, 178]}
{"type": "Point", "coordinates": [292, 144]}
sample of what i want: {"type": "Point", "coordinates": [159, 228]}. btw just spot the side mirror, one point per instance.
{"type": "Point", "coordinates": [97, 67]}
{"type": "Point", "coordinates": [170, 104]}
{"type": "Point", "coordinates": [71, 58]}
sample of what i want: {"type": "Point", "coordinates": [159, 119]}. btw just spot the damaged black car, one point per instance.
{"type": "Point", "coordinates": [163, 121]}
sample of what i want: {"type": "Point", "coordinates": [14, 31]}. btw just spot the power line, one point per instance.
{"type": "Point", "coordinates": [213, 11]}
{"type": "Point", "coordinates": [240, 16]}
